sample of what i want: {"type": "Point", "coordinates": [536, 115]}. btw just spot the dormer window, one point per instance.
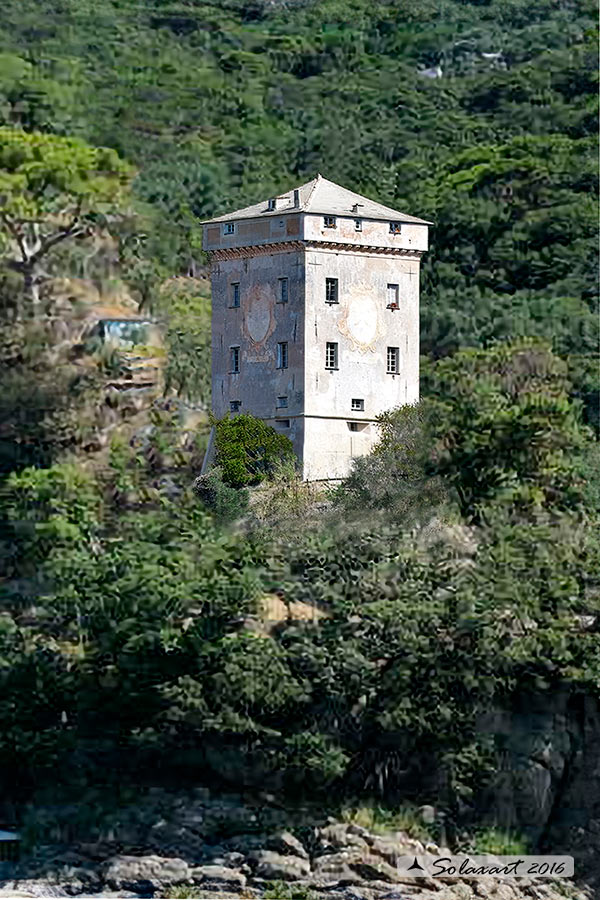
{"type": "Point", "coordinates": [329, 221]}
{"type": "Point", "coordinates": [272, 204]}
{"type": "Point", "coordinates": [395, 227]}
{"type": "Point", "coordinates": [229, 228]}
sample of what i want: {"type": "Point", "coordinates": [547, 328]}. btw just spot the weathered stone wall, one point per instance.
{"type": "Point", "coordinates": [257, 326]}
{"type": "Point", "coordinates": [363, 328]}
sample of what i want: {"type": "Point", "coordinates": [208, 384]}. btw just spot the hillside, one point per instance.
{"type": "Point", "coordinates": [416, 650]}
{"type": "Point", "coordinates": [219, 104]}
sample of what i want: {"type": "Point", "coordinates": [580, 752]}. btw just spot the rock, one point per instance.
{"type": "Point", "coordinates": [352, 828]}
{"type": "Point", "coordinates": [340, 835]}
{"type": "Point", "coordinates": [219, 878]}
{"type": "Point", "coordinates": [357, 892]}
{"type": "Point", "coordinates": [30, 888]}
{"type": "Point", "coordinates": [230, 860]}
{"type": "Point", "coordinates": [287, 844]}
{"type": "Point", "coordinates": [427, 814]}
{"type": "Point", "coordinates": [336, 867]}
{"type": "Point", "coordinates": [274, 866]}
{"type": "Point", "coordinates": [145, 873]}
{"type": "Point", "coordinates": [375, 869]}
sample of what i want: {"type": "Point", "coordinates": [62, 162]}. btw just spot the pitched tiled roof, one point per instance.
{"type": "Point", "coordinates": [323, 197]}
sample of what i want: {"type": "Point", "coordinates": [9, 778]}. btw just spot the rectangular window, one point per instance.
{"type": "Point", "coordinates": [393, 360]}
{"type": "Point", "coordinates": [272, 204]}
{"type": "Point", "coordinates": [329, 221]}
{"type": "Point", "coordinates": [358, 224]}
{"type": "Point", "coordinates": [282, 423]}
{"type": "Point", "coordinates": [235, 294]}
{"type": "Point", "coordinates": [229, 228]}
{"type": "Point", "coordinates": [395, 227]}
{"type": "Point", "coordinates": [331, 355]}
{"type": "Point", "coordinates": [282, 294]}
{"type": "Point", "coordinates": [353, 426]}
{"type": "Point", "coordinates": [234, 359]}
{"type": "Point", "coordinates": [392, 294]}
{"type": "Point", "coordinates": [234, 405]}
{"type": "Point", "coordinates": [281, 402]}
{"type": "Point", "coordinates": [282, 355]}
{"type": "Point", "coordinates": [358, 405]}
{"type": "Point", "coordinates": [331, 290]}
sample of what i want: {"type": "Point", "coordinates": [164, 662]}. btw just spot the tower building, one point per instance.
{"type": "Point", "coordinates": [315, 318]}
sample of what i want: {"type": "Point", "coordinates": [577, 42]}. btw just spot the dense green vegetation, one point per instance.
{"type": "Point", "coordinates": [459, 562]}
{"type": "Point", "coordinates": [129, 624]}
{"type": "Point", "coordinates": [219, 104]}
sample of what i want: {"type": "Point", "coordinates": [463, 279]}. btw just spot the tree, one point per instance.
{"type": "Point", "coordinates": [248, 450]}
{"type": "Point", "coordinates": [53, 190]}
{"type": "Point", "coordinates": [397, 476]}
{"type": "Point", "coordinates": [507, 432]}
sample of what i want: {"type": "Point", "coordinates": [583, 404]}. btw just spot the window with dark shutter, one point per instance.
{"type": "Point", "coordinates": [282, 355]}
{"type": "Point", "coordinates": [331, 290]}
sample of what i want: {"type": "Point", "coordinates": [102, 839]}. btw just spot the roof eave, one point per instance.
{"type": "Point", "coordinates": [231, 217]}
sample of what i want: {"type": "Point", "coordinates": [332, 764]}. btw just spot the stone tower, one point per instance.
{"type": "Point", "coordinates": [315, 318]}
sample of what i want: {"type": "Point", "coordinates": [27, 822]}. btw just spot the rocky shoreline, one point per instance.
{"type": "Point", "coordinates": [219, 847]}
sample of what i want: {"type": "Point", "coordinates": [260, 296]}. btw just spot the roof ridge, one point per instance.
{"type": "Point", "coordinates": [316, 180]}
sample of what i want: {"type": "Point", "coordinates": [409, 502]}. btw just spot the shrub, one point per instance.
{"type": "Point", "coordinates": [381, 820]}
{"type": "Point", "coordinates": [499, 841]}
{"type": "Point", "coordinates": [281, 890]}
{"type": "Point", "coordinates": [60, 505]}
{"type": "Point", "coordinates": [225, 502]}
{"type": "Point", "coordinates": [248, 450]}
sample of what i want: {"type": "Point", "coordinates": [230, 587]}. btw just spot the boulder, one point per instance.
{"type": "Point", "coordinates": [287, 844]}
{"type": "Point", "coordinates": [372, 868]}
{"type": "Point", "coordinates": [340, 835]}
{"type": "Point", "coordinates": [229, 859]}
{"type": "Point", "coordinates": [336, 867]}
{"type": "Point", "coordinates": [274, 866]}
{"type": "Point", "coordinates": [145, 873]}
{"type": "Point", "coordinates": [220, 878]}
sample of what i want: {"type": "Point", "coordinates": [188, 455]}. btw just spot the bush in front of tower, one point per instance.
{"type": "Point", "coordinates": [248, 450]}
{"type": "Point", "coordinates": [225, 502]}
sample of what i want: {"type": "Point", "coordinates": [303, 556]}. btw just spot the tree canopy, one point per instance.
{"type": "Point", "coordinates": [53, 189]}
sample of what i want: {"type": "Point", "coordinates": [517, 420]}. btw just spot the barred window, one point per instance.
{"type": "Point", "coordinates": [282, 296]}
{"type": "Point", "coordinates": [229, 228]}
{"type": "Point", "coordinates": [393, 360]}
{"type": "Point", "coordinates": [282, 355]}
{"type": "Point", "coordinates": [331, 290]}
{"type": "Point", "coordinates": [234, 359]}
{"type": "Point", "coordinates": [331, 355]}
